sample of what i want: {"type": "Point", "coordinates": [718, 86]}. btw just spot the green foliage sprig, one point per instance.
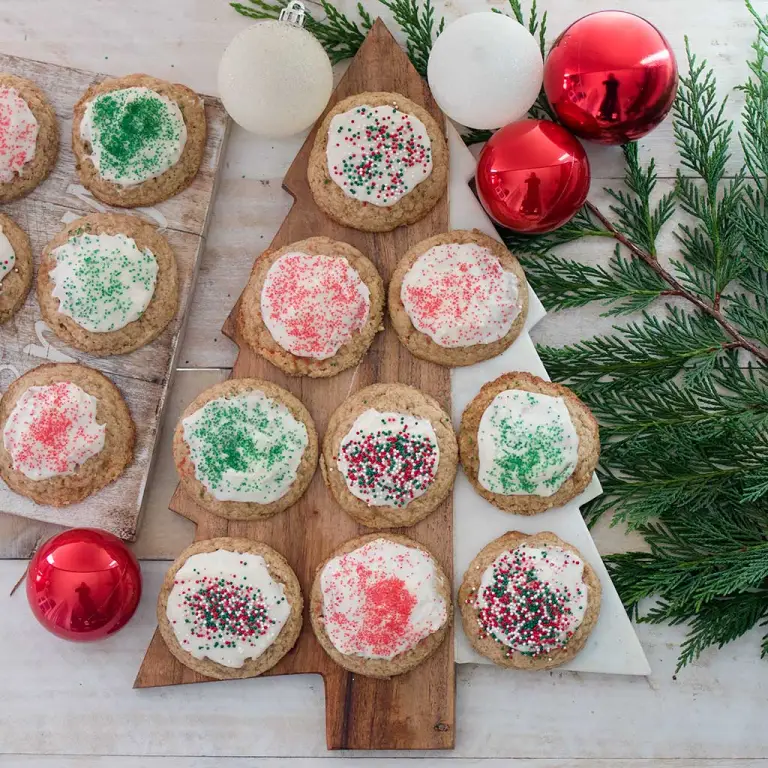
{"type": "Point", "coordinates": [682, 392]}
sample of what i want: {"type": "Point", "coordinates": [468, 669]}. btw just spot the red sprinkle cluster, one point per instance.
{"type": "Point", "coordinates": [318, 300]}
{"type": "Point", "coordinates": [520, 610]}
{"type": "Point", "coordinates": [13, 140]}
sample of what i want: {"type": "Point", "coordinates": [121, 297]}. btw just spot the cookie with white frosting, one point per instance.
{"type": "Point", "coordinates": [15, 267]}
{"type": "Point", "coordinates": [379, 161]}
{"type": "Point", "coordinates": [389, 455]}
{"type": "Point", "coordinates": [29, 137]}
{"type": "Point", "coordinates": [527, 444]}
{"type": "Point", "coordinates": [108, 284]}
{"type": "Point", "coordinates": [230, 608]}
{"type": "Point", "coordinates": [138, 140]}
{"type": "Point", "coordinates": [65, 433]}
{"type": "Point", "coordinates": [312, 308]}
{"type": "Point", "coordinates": [245, 449]}
{"type": "Point", "coordinates": [380, 605]}
{"type": "Point", "coordinates": [458, 298]}
{"type": "Point", "coordinates": [529, 602]}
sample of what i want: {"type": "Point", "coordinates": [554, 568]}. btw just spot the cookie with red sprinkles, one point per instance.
{"type": "Point", "coordinates": [380, 605]}
{"type": "Point", "coordinates": [65, 433]}
{"type": "Point", "coordinates": [389, 455]}
{"type": "Point", "coordinates": [529, 602]}
{"type": "Point", "coordinates": [313, 307]}
{"type": "Point", "coordinates": [230, 608]}
{"type": "Point", "coordinates": [379, 161]}
{"type": "Point", "coordinates": [29, 137]}
{"type": "Point", "coordinates": [458, 298]}
{"type": "Point", "coordinates": [16, 270]}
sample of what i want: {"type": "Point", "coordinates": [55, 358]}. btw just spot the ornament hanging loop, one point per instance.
{"type": "Point", "coordinates": [293, 13]}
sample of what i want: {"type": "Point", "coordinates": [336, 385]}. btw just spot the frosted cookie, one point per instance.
{"type": "Point", "coordinates": [389, 455]}
{"type": "Point", "coordinates": [107, 284]}
{"type": "Point", "coordinates": [527, 444]}
{"type": "Point", "coordinates": [245, 449]}
{"type": "Point", "coordinates": [380, 605]}
{"type": "Point", "coordinates": [458, 298]}
{"type": "Point", "coordinates": [230, 608]}
{"type": "Point", "coordinates": [138, 140]}
{"type": "Point", "coordinates": [29, 137]}
{"type": "Point", "coordinates": [15, 267]}
{"type": "Point", "coordinates": [529, 602]}
{"type": "Point", "coordinates": [312, 308]}
{"type": "Point", "coordinates": [379, 160]}
{"type": "Point", "coordinates": [66, 433]}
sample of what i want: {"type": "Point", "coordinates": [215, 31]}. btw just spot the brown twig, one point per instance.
{"type": "Point", "coordinates": [678, 289]}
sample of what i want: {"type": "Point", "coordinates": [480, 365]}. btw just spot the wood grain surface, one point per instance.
{"type": "Point", "coordinates": [143, 376]}
{"type": "Point", "coordinates": [416, 710]}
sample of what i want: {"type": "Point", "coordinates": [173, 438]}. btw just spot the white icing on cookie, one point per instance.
{"type": "Point", "coordinates": [389, 459]}
{"type": "Point", "coordinates": [378, 155]}
{"type": "Point", "coordinates": [52, 430]}
{"type": "Point", "coordinates": [103, 282]}
{"type": "Point", "coordinates": [532, 599]}
{"type": "Point", "coordinates": [7, 256]}
{"type": "Point", "coordinates": [460, 295]}
{"type": "Point", "coordinates": [135, 134]}
{"type": "Point", "coordinates": [381, 600]}
{"type": "Point", "coordinates": [313, 304]}
{"type": "Point", "coordinates": [245, 448]}
{"type": "Point", "coordinates": [18, 134]}
{"type": "Point", "coordinates": [226, 607]}
{"type": "Point", "coordinates": [527, 444]}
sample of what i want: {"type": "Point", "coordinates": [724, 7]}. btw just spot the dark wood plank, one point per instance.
{"type": "Point", "coordinates": [416, 710]}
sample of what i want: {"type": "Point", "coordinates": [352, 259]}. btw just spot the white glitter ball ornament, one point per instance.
{"type": "Point", "coordinates": [275, 79]}
{"type": "Point", "coordinates": [485, 70]}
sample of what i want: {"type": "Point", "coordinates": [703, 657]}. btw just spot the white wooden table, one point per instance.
{"type": "Point", "coordinates": [72, 705]}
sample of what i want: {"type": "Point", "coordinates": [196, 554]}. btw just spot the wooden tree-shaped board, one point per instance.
{"type": "Point", "coordinates": [412, 711]}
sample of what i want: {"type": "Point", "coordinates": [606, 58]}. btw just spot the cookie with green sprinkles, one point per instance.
{"type": "Point", "coordinates": [245, 449]}
{"type": "Point", "coordinates": [527, 444]}
{"type": "Point", "coordinates": [138, 140]}
{"type": "Point", "coordinates": [108, 284]}
{"type": "Point", "coordinates": [16, 270]}
{"type": "Point", "coordinates": [529, 602]}
{"type": "Point", "coordinates": [389, 455]}
{"type": "Point", "coordinates": [230, 608]}
{"type": "Point", "coordinates": [379, 161]}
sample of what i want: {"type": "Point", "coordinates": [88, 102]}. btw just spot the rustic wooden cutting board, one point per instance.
{"type": "Point", "coordinates": [416, 710]}
{"type": "Point", "coordinates": [143, 376]}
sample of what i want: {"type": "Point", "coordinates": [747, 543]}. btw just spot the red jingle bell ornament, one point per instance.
{"type": "Point", "coordinates": [611, 77]}
{"type": "Point", "coordinates": [83, 584]}
{"type": "Point", "coordinates": [532, 176]}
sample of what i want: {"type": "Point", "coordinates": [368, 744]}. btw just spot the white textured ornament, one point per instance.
{"type": "Point", "coordinates": [485, 70]}
{"type": "Point", "coordinates": [275, 79]}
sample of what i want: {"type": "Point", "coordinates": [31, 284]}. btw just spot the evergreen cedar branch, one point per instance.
{"type": "Point", "coordinates": [681, 394]}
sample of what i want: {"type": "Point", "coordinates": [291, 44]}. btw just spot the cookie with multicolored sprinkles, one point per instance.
{"type": "Point", "coordinates": [108, 284]}
{"type": "Point", "coordinates": [379, 161]}
{"type": "Point", "coordinates": [245, 449]}
{"type": "Point", "coordinates": [65, 433]}
{"type": "Point", "coordinates": [389, 455]}
{"type": "Point", "coordinates": [458, 298]}
{"type": "Point", "coordinates": [527, 444]}
{"type": "Point", "coordinates": [138, 140]}
{"type": "Point", "coordinates": [529, 602]}
{"type": "Point", "coordinates": [15, 267]}
{"type": "Point", "coordinates": [29, 137]}
{"type": "Point", "coordinates": [230, 608]}
{"type": "Point", "coordinates": [380, 605]}
{"type": "Point", "coordinates": [312, 308]}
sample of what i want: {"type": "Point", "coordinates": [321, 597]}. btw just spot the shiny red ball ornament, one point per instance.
{"type": "Point", "coordinates": [83, 584]}
{"type": "Point", "coordinates": [532, 176]}
{"type": "Point", "coordinates": [611, 77]}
